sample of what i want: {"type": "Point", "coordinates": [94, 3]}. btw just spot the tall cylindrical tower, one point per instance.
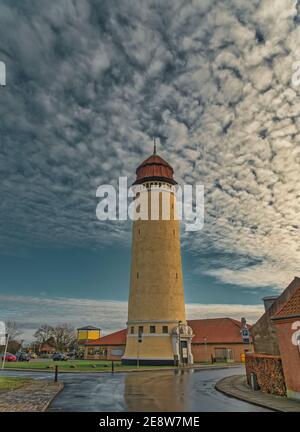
{"type": "Point", "coordinates": [157, 331]}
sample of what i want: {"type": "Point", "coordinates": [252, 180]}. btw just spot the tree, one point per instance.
{"type": "Point", "coordinates": [64, 337]}
{"type": "Point", "coordinates": [44, 333]}
{"type": "Point", "coordinates": [12, 329]}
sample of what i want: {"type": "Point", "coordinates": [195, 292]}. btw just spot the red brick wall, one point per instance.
{"type": "Point", "coordinates": [290, 354]}
{"type": "Point", "coordinates": [203, 354]}
{"type": "Point", "coordinates": [264, 332]}
{"type": "Point", "coordinates": [108, 354]}
{"type": "Point", "coordinates": [269, 372]}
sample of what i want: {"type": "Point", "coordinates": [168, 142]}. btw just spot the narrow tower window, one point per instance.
{"type": "Point", "coordinates": [165, 329]}
{"type": "Point", "coordinates": [132, 330]}
{"type": "Point", "coordinates": [137, 275]}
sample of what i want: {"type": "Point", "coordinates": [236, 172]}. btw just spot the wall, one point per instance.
{"type": "Point", "coordinates": [203, 354]}
{"type": "Point", "coordinates": [156, 289]}
{"type": "Point", "coordinates": [269, 372]}
{"type": "Point", "coordinates": [200, 353]}
{"type": "Point", "coordinates": [290, 356]}
{"type": "Point", "coordinates": [264, 332]}
{"type": "Point", "coordinates": [88, 334]}
{"type": "Point", "coordinates": [104, 352]}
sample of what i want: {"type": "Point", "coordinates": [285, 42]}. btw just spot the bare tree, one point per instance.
{"type": "Point", "coordinates": [43, 333]}
{"type": "Point", "coordinates": [12, 329]}
{"type": "Point", "coordinates": [64, 336]}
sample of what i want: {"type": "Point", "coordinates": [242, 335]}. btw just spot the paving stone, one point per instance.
{"type": "Point", "coordinates": [35, 396]}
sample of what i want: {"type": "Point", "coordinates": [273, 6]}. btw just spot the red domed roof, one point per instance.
{"type": "Point", "coordinates": [154, 168]}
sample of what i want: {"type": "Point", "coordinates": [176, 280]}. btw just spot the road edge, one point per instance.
{"type": "Point", "coordinates": [236, 387]}
{"type": "Point", "coordinates": [59, 390]}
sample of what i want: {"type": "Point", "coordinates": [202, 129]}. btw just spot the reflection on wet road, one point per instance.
{"type": "Point", "coordinates": [189, 390]}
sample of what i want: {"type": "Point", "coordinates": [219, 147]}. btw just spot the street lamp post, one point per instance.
{"type": "Point", "coordinates": [139, 340]}
{"type": "Point", "coordinates": [205, 344]}
{"type": "Point", "coordinates": [179, 344]}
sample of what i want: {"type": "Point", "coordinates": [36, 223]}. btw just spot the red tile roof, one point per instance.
{"type": "Point", "coordinates": [291, 307]}
{"type": "Point", "coordinates": [153, 168]}
{"type": "Point", "coordinates": [116, 338]}
{"type": "Point", "coordinates": [216, 330]}
{"type": "Point", "coordinates": [46, 347]}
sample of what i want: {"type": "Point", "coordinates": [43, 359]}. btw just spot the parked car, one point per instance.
{"type": "Point", "coordinates": [22, 356]}
{"type": "Point", "coordinates": [8, 357]}
{"type": "Point", "coordinates": [71, 356]}
{"type": "Point", "coordinates": [59, 356]}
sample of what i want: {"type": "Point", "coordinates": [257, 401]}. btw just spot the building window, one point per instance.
{"type": "Point", "coordinates": [141, 330]}
{"type": "Point", "coordinates": [139, 232]}
{"type": "Point", "coordinates": [137, 275]}
{"type": "Point", "coordinates": [174, 232]}
{"type": "Point", "coordinates": [165, 329]}
{"type": "Point", "coordinates": [152, 329]}
{"type": "Point", "coordinates": [176, 275]}
{"type": "Point", "coordinates": [132, 330]}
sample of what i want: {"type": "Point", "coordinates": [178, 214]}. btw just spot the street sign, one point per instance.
{"type": "Point", "coordinates": [245, 335]}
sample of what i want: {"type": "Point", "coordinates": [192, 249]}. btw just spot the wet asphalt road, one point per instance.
{"type": "Point", "coordinates": [189, 390]}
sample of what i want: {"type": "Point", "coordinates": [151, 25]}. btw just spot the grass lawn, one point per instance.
{"type": "Point", "coordinates": [74, 365]}
{"type": "Point", "coordinates": [86, 365]}
{"type": "Point", "coordinates": [9, 383]}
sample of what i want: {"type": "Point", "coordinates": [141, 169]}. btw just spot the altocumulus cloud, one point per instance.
{"type": "Point", "coordinates": [89, 83]}
{"type": "Point", "coordinates": [35, 311]}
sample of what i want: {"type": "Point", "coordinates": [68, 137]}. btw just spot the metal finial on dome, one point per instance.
{"type": "Point", "coordinates": [154, 146]}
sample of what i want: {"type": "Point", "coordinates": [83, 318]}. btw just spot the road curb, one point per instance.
{"type": "Point", "coordinates": [60, 388]}
{"type": "Point", "coordinates": [236, 387]}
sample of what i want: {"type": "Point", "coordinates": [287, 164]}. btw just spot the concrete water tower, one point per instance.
{"type": "Point", "coordinates": [157, 332]}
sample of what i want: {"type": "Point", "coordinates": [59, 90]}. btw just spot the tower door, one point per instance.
{"type": "Point", "coordinates": [184, 351]}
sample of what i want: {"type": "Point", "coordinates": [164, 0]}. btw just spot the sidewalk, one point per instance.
{"type": "Point", "coordinates": [33, 397]}
{"type": "Point", "coordinates": [237, 387]}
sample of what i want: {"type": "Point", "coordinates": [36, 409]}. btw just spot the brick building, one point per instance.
{"type": "Point", "coordinates": [110, 347]}
{"type": "Point", "coordinates": [264, 333]}
{"type": "Point", "coordinates": [287, 324]}
{"type": "Point", "coordinates": [219, 339]}
{"type": "Point", "coordinates": [276, 339]}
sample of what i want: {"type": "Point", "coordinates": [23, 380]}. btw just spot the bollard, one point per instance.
{"type": "Point", "coordinates": [112, 366]}
{"type": "Point", "coordinates": [56, 374]}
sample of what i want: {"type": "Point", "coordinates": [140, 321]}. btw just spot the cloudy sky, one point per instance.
{"type": "Point", "coordinates": [89, 84]}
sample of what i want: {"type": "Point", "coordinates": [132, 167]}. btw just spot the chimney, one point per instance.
{"type": "Point", "coordinates": [268, 301]}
